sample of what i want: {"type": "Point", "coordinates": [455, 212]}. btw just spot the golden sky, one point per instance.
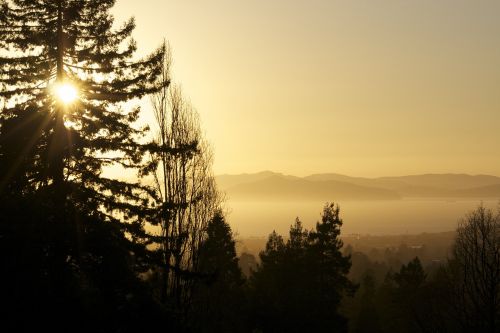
{"type": "Point", "coordinates": [366, 88]}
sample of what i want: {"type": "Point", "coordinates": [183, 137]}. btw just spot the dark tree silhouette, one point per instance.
{"type": "Point", "coordinates": [329, 269]}
{"type": "Point", "coordinates": [476, 263]}
{"type": "Point", "coordinates": [410, 276]}
{"type": "Point", "coordinates": [64, 222]}
{"type": "Point", "coordinates": [457, 295]}
{"type": "Point", "coordinates": [408, 293]}
{"type": "Point", "coordinates": [368, 319]}
{"type": "Point", "coordinates": [185, 194]}
{"type": "Point", "coordinates": [299, 285]}
{"type": "Point", "coordinates": [218, 302]}
{"type": "Point", "coordinates": [52, 43]}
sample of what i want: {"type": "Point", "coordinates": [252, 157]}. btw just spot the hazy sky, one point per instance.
{"type": "Point", "coordinates": [368, 88]}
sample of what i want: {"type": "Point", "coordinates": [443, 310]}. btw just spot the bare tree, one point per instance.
{"type": "Point", "coordinates": [184, 185]}
{"type": "Point", "coordinates": [477, 265]}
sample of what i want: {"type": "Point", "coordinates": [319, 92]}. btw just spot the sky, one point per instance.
{"type": "Point", "coordinates": [360, 87]}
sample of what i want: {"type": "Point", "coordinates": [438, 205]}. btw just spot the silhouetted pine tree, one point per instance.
{"type": "Point", "coordinates": [403, 294]}
{"type": "Point", "coordinates": [328, 269]}
{"type": "Point", "coordinates": [367, 319]}
{"type": "Point", "coordinates": [410, 276]}
{"type": "Point", "coordinates": [299, 285]}
{"type": "Point", "coordinates": [218, 303]}
{"type": "Point", "coordinates": [58, 208]}
{"type": "Point", "coordinates": [50, 43]}
{"type": "Point", "coordinates": [267, 290]}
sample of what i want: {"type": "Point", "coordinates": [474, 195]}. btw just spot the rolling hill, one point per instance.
{"type": "Point", "coordinates": [269, 186]}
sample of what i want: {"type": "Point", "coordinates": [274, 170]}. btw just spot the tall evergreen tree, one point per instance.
{"type": "Point", "coordinates": [299, 285]}
{"type": "Point", "coordinates": [218, 298]}
{"type": "Point", "coordinates": [410, 276]}
{"type": "Point", "coordinates": [69, 47]}
{"type": "Point", "coordinates": [403, 299]}
{"type": "Point", "coordinates": [367, 319]}
{"type": "Point", "coordinates": [59, 210]}
{"type": "Point", "coordinates": [328, 269]}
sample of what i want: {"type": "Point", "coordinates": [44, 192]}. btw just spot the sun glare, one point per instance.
{"type": "Point", "coordinates": [66, 93]}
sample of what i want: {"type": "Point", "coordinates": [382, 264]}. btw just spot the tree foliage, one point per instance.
{"type": "Point", "coordinates": [72, 238]}
{"type": "Point", "coordinates": [185, 194]}
{"type": "Point", "coordinates": [49, 43]}
{"type": "Point", "coordinates": [299, 284]}
{"type": "Point", "coordinates": [218, 299]}
{"type": "Point", "coordinates": [476, 263]}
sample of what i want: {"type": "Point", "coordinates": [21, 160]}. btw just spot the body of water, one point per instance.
{"type": "Point", "coordinates": [364, 217]}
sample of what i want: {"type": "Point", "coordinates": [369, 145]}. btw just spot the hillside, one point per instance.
{"type": "Point", "coordinates": [275, 186]}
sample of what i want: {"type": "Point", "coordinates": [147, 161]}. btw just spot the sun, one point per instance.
{"type": "Point", "coordinates": [66, 93]}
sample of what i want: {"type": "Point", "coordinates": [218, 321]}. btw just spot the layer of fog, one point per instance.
{"type": "Point", "coordinates": [411, 216]}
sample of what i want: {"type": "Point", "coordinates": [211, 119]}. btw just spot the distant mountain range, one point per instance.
{"type": "Point", "coordinates": [269, 185]}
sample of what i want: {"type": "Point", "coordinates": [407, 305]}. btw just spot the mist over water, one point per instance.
{"type": "Point", "coordinates": [380, 217]}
